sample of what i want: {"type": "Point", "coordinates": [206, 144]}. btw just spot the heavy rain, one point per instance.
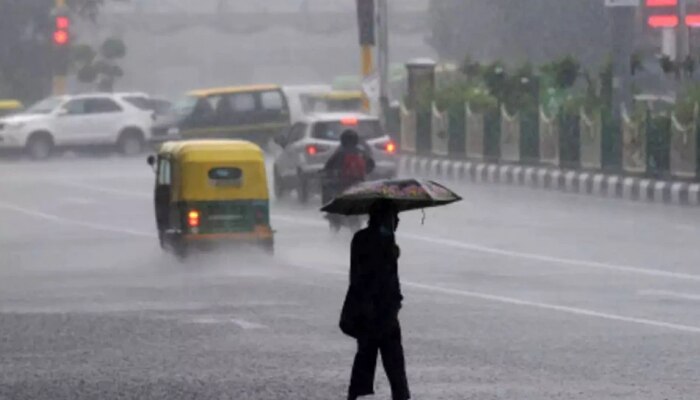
{"type": "Point", "coordinates": [343, 199]}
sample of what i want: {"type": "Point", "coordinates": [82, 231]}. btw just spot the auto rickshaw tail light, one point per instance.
{"type": "Point", "coordinates": [193, 219]}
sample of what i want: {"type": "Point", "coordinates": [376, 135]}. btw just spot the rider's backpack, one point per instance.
{"type": "Point", "coordinates": [354, 167]}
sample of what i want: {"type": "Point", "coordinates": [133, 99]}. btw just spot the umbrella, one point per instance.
{"type": "Point", "coordinates": [407, 194]}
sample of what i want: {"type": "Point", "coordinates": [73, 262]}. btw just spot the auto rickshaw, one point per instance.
{"type": "Point", "coordinates": [8, 107]}
{"type": "Point", "coordinates": [211, 193]}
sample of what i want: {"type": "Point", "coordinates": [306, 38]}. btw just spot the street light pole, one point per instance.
{"type": "Point", "coordinates": [383, 57]}
{"type": "Point", "coordinates": [622, 41]}
{"type": "Point", "coordinates": [682, 39]}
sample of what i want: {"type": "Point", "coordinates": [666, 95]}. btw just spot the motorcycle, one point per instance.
{"type": "Point", "coordinates": [330, 187]}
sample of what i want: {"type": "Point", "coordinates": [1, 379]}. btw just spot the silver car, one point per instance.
{"type": "Point", "coordinates": [309, 143]}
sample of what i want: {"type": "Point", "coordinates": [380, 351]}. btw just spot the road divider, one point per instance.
{"type": "Point", "coordinates": [581, 182]}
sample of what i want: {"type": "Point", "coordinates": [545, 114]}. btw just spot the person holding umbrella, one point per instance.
{"type": "Point", "coordinates": [375, 293]}
{"type": "Point", "coordinates": [373, 300]}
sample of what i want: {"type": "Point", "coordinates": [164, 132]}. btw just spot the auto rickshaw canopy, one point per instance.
{"type": "Point", "coordinates": [195, 165]}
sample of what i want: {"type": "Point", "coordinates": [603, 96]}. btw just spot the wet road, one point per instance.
{"type": "Point", "coordinates": [512, 294]}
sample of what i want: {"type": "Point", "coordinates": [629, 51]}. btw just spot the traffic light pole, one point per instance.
{"type": "Point", "coordinates": [367, 68]}
{"type": "Point", "coordinates": [366, 14]}
{"type": "Point", "coordinates": [622, 40]}
{"type": "Point", "coordinates": [59, 76]}
{"type": "Point", "coordinates": [682, 37]}
{"type": "Point", "coordinates": [383, 56]}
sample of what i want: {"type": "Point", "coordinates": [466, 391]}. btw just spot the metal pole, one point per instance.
{"type": "Point", "coordinates": [383, 57]}
{"type": "Point", "coordinates": [366, 15]}
{"type": "Point", "coordinates": [367, 68]}
{"type": "Point", "coordinates": [682, 48]}
{"type": "Point", "coordinates": [622, 41]}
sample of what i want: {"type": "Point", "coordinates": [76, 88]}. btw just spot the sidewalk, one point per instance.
{"type": "Point", "coordinates": [597, 184]}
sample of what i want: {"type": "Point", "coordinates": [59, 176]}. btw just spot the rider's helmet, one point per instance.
{"type": "Point", "coordinates": [349, 139]}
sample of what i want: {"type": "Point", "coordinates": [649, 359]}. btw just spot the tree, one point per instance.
{"type": "Point", "coordinates": [100, 67]}
{"type": "Point", "coordinates": [26, 48]}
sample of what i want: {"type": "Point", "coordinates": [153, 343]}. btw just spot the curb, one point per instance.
{"type": "Point", "coordinates": [597, 184]}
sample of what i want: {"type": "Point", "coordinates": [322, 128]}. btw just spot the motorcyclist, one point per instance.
{"type": "Point", "coordinates": [350, 164]}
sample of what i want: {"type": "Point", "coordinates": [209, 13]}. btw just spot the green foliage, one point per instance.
{"type": "Point", "coordinates": [26, 55]}
{"type": "Point", "coordinates": [113, 49]}
{"type": "Point", "coordinates": [454, 97]}
{"type": "Point", "coordinates": [563, 72]}
{"type": "Point", "coordinates": [82, 54]}
{"type": "Point", "coordinates": [87, 73]}
{"type": "Point", "coordinates": [100, 68]}
{"type": "Point", "coordinates": [685, 106]}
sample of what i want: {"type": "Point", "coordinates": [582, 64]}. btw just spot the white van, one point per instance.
{"type": "Point", "coordinates": [295, 94]}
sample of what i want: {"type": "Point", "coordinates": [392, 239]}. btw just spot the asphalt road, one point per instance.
{"type": "Point", "coordinates": [511, 294]}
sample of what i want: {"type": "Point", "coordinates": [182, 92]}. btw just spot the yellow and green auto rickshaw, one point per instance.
{"type": "Point", "coordinates": [211, 193]}
{"type": "Point", "coordinates": [8, 107]}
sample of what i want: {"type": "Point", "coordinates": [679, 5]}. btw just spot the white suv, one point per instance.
{"type": "Point", "coordinates": [86, 120]}
{"type": "Point", "coordinates": [309, 143]}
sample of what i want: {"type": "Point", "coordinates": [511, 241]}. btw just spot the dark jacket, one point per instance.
{"type": "Point", "coordinates": [335, 164]}
{"type": "Point", "coordinates": [375, 290]}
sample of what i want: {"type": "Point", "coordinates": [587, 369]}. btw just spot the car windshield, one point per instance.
{"type": "Point", "coordinates": [142, 103]}
{"type": "Point", "coordinates": [45, 106]}
{"type": "Point", "coordinates": [184, 106]}
{"type": "Point", "coordinates": [369, 129]}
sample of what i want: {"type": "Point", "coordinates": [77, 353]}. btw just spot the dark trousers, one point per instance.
{"type": "Point", "coordinates": [363, 369]}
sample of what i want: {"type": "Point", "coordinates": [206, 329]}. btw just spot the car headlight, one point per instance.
{"type": "Point", "coordinates": [174, 130]}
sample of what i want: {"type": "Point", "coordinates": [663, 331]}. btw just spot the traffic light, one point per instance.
{"type": "Point", "coordinates": [365, 20]}
{"type": "Point", "coordinates": [61, 33]}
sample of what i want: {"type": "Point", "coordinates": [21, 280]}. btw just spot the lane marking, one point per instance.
{"type": "Point", "coordinates": [67, 221]}
{"type": "Point", "coordinates": [521, 255]}
{"type": "Point", "coordinates": [472, 247]}
{"type": "Point", "coordinates": [581, 312]}
{"type": "Point", "coordinates": [687, 227]}
{"type": "Point", "coordinates": [76, 201]}
{"type": "Point", "coordinates": [101, 189]}
{"type": "Point", "coordinates": [666, 293]}
{"type": "Point", "coordinates": [437, 289]}
{"type": "Point", "coordinates": [241, 323]}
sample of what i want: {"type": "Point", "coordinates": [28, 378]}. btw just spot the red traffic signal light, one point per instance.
{"type": "Point", "coordinates": [62, 23]}
{"type": "Point", "coordinates": [661, 3]}
{"type": "Point", "coordinates": [61, 37]}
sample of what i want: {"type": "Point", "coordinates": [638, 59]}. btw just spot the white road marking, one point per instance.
{"type": "Point", "coordinates": [521, 255]}
{"type": "Point", "coordinates": [582, 312]}
{"type": "Point", "coordinates": [243, 324]}
{"type": "Point", "coordinates": [76, 201]}
{"type": "Point", "coordinates": [457, 244]}
{"type": "Point", "coordinates": [687, 227]}
{"type": "Point", "coordinates": [438, 289]}
{"type": "Point", "coordinates": [101, 189]}
{"type": "Point", "coordinates": [669, 294]}
{"type": "Point", "coordinates": [67, 221]}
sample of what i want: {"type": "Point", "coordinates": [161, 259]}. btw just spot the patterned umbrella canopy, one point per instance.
{"type": "Point", "coordinates": [407, 194]}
